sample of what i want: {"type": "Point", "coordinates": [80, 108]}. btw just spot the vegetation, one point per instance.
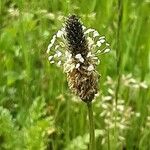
{"type": "Point", "coordinates": [37, 109]}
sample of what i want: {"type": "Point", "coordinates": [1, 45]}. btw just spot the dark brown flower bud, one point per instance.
{"type": "Point", "coordinates": [77, 43]}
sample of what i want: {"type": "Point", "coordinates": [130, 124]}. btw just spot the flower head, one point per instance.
{"type": "Point", "coordinates": [76, 48]}
{"type": "Point", "coordinates": [77, 43]}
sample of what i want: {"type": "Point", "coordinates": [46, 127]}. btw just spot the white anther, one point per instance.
{"type": "Point", "coordinates": [98, 43]}
{"type": "Point", "coordinates": [50, 58]}
{"type": "Point", "coordinates": [79, 57]}
{"type": "Point", "coordinates": [77, 65]}
{"type": "Point", "coordinates": [90, 68]}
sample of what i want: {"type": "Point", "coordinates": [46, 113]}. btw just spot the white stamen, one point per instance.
{"type": "Point", "coordinates": [57, 46]}
{"type": "Point", "coordinates": [55, 55]}
{"type": "Point", "coordinates": [62, 44]}
{"type": "Point", "coordinates": [143, 85]}
{"type": "Point", "coordinates": [63, 30]}
{"type": "Point", "coordinates": [120, 107]}
{"type": "Point", "coordinates": [52, 62]}
{"type": "Point", "coordinates": [59, 53]}
{"type": "Point", "coordinates": [68, 55]}
{"type": "Point", "coordinates": [98, 43]}
{"type": "Point", "coordinates": [99, 51]}
{"type": "Point", "coordinates": [121, 138]}
{"type": "Point", "coordinates": [137, 114]}
{"type": "Point", "coordinates": [90, 68]}
{"type": "Point", "coordinates": [59, 33]}
{"type": "Point", "coordinates": [110, 91]}
{"type": "Point", "coordinates": [95, 34]}
{"type": "Point", "coordinates": [53, 39]}
{"type": "Point", "coordinates": [88, 31]}
{"type": "Point", "coordinates": [95, 58]}
{"type": "Point", "coordinates": [107, 98]}
{"type": "Point", "coordinates": [107, 50]}
{"type": "Point", "coordinates": [68, 67]}
{"type": "Point", "coordinates": [59, 63]}
{"type": "Point", "coordinates": [102, 41]}
{"type": "Point", "coordinates": [83, 27]}
{"type": "Point", "coordinates": [148, 118]}
{"type": "Point", "coordinates": [49, 48]}
{"type": "Point", "coordinates": [89, 54]}
{"type": "Point", "coordinates": [102, 37]}
{"type": "Point", "coordinates": [98, 62]}
{"type": "Point", "coordinates": [79, 57]}
{"type": "Point", "coordinates": [103, 141]}
{"type": "Point", "coordinates": [50, 58]}
{"type": "Point", "coordinates": [90, 41]}
{"type": "Point", "coordinates": [77, 65]}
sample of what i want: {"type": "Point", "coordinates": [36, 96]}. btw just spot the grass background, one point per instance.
{"type": "Point", "coordinates": [37, 109]}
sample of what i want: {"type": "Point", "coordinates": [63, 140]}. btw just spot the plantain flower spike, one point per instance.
{"type": "Point", "coordinates": [76, 49]}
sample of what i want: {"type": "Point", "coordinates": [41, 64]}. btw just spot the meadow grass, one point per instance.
{"type": "Point", "coordinates": [37, 110]}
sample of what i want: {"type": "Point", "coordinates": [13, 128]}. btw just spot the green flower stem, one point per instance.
{"type": "Point", "coordinates": [119, 62]}
{"type": "Point", "coordinates": [91, 127]}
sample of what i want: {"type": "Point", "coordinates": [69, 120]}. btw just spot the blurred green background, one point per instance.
{"type": "Point", "coordinates": [37, 110]}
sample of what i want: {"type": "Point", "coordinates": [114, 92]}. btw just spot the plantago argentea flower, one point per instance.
{"type": "Point", "coordinates": [76, 48]}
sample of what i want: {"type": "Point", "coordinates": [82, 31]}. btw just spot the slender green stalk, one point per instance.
{"type": "Point", "coordinates": [118, 47]}
{"type": "Point", "coordinates": [91, 127]}
{"type": "Point", "coordinates": [118, 55]}
{"type": "Point", "coordinates": [108, 143]}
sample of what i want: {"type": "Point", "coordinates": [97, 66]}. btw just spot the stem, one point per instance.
{"type": "Point", "coordinates": [108, 143]}
{"type": "Point", "coordinates": [91, 126]}
{"type": "Point", "coordinates": [118, 55]}
{"type": "Point", "coordinates": [118, 50]}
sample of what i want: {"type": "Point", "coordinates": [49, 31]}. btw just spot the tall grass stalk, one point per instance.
{"type": "Point", "coordinates": [118, 47]}
{"type": "Point", "coordinates": [118, 57]}
{"type": "Point", "coordinates": [91, 126]}
{"type": "Point", "coordinates": [108, 143]}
